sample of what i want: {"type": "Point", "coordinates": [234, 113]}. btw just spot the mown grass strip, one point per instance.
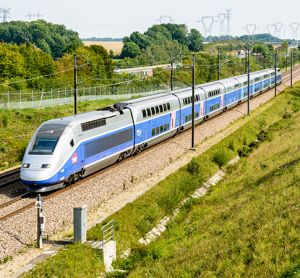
{"type": "Point", "coordinates": [74, 261]}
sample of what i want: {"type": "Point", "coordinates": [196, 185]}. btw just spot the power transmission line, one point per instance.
{"type": "Point", "coordinates": [32, 16]}
{"type": "Point", "coordinates": [4, 14]}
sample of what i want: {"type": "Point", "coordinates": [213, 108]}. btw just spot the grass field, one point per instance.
{"type": "Point", "coordinates": [18, 126]}
{"type": "Point", "coordinates": [116, 47]}
{"type": "Point", "coordinates": [248, 225]}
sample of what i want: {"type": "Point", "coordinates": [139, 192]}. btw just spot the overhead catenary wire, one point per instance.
{"type": "Point", "coordinates": [42, 76]}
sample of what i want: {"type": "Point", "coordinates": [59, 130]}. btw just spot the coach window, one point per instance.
{"type": "Point", "coordinates": [149, 112]}
{"type": "Point", "coordinates": [144, 113]}
{"type": "Point", "coordinates": [168, 105]}
{"type": "Point", "coordinates": [165, 107]}
{"type": "Point", "coordinates": [153, 110]}
{"type": "Point", "coordinates": [156, 109]}
{"type": "Point", "coordinates": [153, 131]}
{"type": "Point", "coordinates": [161, 109]}
{"type": "Point", "coordinates": [72, 143]}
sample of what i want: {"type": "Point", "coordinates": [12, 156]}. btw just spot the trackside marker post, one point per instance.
{"type": "Point", "coordinates": [40, 221]}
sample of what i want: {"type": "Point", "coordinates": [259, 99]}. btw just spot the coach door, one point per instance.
{"type": "Point", "coordinates": [173, 119]}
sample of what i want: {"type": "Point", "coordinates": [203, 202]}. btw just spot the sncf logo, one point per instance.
{"type": "Point", "coordinates": [74, 158]}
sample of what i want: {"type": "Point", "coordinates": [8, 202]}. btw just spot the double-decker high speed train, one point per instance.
{"type": "Point", "coordinates": [66, 149]}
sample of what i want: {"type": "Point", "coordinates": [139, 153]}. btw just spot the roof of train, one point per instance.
{"type": "Point", "coordinates": [83, 117]}
{"type": "Point", "coordinates": [110, 112]}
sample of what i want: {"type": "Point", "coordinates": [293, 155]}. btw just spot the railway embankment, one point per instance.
{"type": "Point", "coordinates": [247, 224]}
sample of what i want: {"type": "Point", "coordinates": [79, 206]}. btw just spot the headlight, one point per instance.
{"type": "Point", "coordinates": [45, 166]}
{"type": "Point", "coordinates": [25, 165]}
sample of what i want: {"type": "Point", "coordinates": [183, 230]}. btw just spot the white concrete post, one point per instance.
{"type": "Point", "coordinates": [80, 220]}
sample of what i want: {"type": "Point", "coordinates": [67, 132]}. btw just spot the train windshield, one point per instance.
{"type": "Point", "coordinates": [47, 139]}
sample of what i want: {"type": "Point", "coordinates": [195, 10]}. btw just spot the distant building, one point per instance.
{"type": "Point", "coordinates": [142, 71]}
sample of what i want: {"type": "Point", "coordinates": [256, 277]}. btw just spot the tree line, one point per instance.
{"type": "Point", "coordinates": [24, 59]}
{"type": "Point", "coordinates": [160, 42]}
{"type": "Point", "coordinates": [27, 67]}
{"type": "Point", "coordinates": [53, 39]}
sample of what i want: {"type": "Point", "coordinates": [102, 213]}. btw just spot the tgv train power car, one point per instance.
{"type": "Point", "coordinates": [64, 150]}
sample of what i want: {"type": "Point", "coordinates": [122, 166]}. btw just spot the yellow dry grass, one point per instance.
{"type": "Point", "coordinates": [116, 47]}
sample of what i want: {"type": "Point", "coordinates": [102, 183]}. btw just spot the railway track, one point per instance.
{"type": "Point", "coordinates": [10, 177]}
{"type": "Point", "coordinates": [51, 195]}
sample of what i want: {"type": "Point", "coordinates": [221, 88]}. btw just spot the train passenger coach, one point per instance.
{"type": "Point", "coordinates": [67, 149]}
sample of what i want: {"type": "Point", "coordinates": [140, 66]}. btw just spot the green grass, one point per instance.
{"type": "Point", "coordinates": [17, 127]}
{"type": "Point", "coordinates": [249, 225]}
{"type": "Point", "coordinates": [246, 226]}
{"type": "Point", "coordinates": [74, 261]}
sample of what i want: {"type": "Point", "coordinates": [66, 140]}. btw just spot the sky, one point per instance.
{"type": "Point", "coordinates": [118, 18]}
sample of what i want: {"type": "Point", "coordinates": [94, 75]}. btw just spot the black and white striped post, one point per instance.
{"type": "Point", "coordinates": [40, 221]}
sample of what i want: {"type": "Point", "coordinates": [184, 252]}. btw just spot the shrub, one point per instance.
{"type": "Point", "coordinates": [221, 157]}
{"type": "Point", "coordinates": [231, 145]}
{"type": "Point", "coordinates": [261, 122]}
{"type": "Point", "coordinates": [2, 148]}
{"type": "Point", "coordinates": [263, 136]}
{"type": "Point", "coordinates": [254, 144]}
{"type": "Point", "coordinates": [287, 115]}
{"type": "Point", "coordinates": [5, 259]}
{"type": "Point", "coordinates": [193, 167]}
{"type": "Point", "coordinates": [169, 200]}
{"type": "Point", "coordinates": [5, 119]}
{"type": "Point", "coordinates": [245, 151]}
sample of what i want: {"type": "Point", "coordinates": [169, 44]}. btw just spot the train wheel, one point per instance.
{"type": "Point", "coordinates": [121, 157]}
